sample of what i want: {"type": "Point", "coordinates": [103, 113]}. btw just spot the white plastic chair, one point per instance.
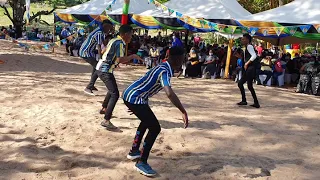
{"type": "Point", "coordinates": [263, 77]}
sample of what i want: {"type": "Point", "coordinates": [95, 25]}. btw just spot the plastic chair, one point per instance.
{"type": "Point", "coordinates": [75, 53]}
{"type": "Point", "coordinates": [263, 77]}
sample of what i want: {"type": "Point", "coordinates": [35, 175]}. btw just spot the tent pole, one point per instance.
{"type": "Point", "coordinates": [229, 54]}
{"type": "Point", "coordinates": [54, 35]}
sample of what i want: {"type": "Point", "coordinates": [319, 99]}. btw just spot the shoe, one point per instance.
{"type": "Point", "coordinates": [145, 169]}
{"type": "Point", "coordinates": [242, 103]}
{"type": "Point", "coordinates": [94, 89]}
{"type": "Point", "coordinates": [88, 91]}
{"type": "Point", "coordinates": [134, 155]}
{"type": "Point", "coordinates": [108, 125]}
{"type": "Point", "coordinates": [255, 105]}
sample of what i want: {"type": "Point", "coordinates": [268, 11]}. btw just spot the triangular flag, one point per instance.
{"type": "Point", "coordinates": [170, 12]}
{"type": "Point", "coordinates": [58, 38]}
{"type": "Point", "coordinates": [64, 41]}
{"type": "Point", "coordinates": [317, 26]}
{"type": "Point", "coordinates": [278, 30]}
{"type": "Point", "coordinates": [104, 13]}
{"type": "Point", "coordinates": [244, 30]}
{"type": "Point", "coordinates": [211, 25]}
{"type": "Point", "coordinates": [253, 30]}
{"type": "Point", "coordinates": [202, 22]}
{"type": "Point", "coordinates": [292, 30]}
{"type": "Point", "coordinates": [113, 2]}
{"type": "Point", "coordinates": [305, 28]}
{"type": "Point", "coordinates": [164, 8]}
{"type": "Point", "coordinates": [265, 32]}
{"type": "Point", "coordinates": [233, 29]}
{"type": "Point", "coordinates": [194, 22]}
{"type": "Point", "coordinates": [221, 27]}
{"type": "Point", "coordinates": [58, 43]}
{"type": "Point", "coordinates": [151, 1]}
{"type": "Point", "coordinates": [46, 46]}
{"type": "Point", "coordinates": [178, 14]}
{"type": "Point", "coordinates": [109, 8]}
{"type": "Point", "coordinates": [157, 4]}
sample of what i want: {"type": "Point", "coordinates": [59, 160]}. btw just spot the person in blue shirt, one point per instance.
{"type": "Point", "coordinates": [176, 41]}
{"type": "Point", "coordinates": [87, 51]}
{"type": "Point", "coordinates": [112, 57]}
{"type": "Point", "coordinates": [136, 98]}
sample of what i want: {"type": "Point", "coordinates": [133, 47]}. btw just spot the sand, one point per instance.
{"type": "Point", "coordinates": [49, 129]}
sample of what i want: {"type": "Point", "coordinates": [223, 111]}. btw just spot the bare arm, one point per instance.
{"type": "Point", "coordinates": [126, 59]}
{"type": "Point", "coordinates": [175, 101]}
{"type": "Point", "coordinates": [99, 51]}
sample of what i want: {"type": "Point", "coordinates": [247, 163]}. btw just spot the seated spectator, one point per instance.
{"type": "Point", "coordinates": [40, 36]}
{"type": "Point", "coordinates": [210, 66]}
{"type": "Point", "coordinates": [266, 69]}
{"type": "Point", "coordinates": [154, 54]}
{"type": "Point", "coordinates": [193, 66]}
{"type": "Point", "coordinates": [76, 44]}
{"type": "Point", "coordinates": [48, 37]}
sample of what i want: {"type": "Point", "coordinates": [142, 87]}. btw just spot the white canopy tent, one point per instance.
{"type": "Point", "coordinates": [208, 9]}
{"type": "Point", "coordinates": [298, 11]}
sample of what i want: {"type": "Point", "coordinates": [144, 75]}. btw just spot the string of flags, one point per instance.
{"type": "Point", "coordinates": [109, 7]}
{"type": "Point", "coordinates": [231, 28]}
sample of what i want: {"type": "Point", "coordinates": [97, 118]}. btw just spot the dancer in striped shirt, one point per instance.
{"type": "Point", "coordinates": [87, 51]}
{"type": "Point", "coordinates": [136, 99]}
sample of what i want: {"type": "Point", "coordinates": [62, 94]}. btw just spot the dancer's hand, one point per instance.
{"type": "Point", "coordinates": [185, 119]}
{"type": "Point", "coordinates": [138, 58]}
{"type": "Point", "coordinates": [246, 66]}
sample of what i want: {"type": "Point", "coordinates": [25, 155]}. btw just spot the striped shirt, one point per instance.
{"type": "Point", "coordinates": [89, 45]}
{"type": "Point", "coordinates": [115, 49]}
{"type": "Point", "coordinates": [150, 84]}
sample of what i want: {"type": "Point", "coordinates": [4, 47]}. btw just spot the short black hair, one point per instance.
{"type": "Point", "coordinates": [107, 21]}
{"type": "Point", "coordinates": [176, 51]}
{"type": "Point", "coordinates": [125, 29]}
{"type": "Point", "coordinates": [248, 37]}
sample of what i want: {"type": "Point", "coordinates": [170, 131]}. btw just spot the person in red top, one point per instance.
{"type": "Point", "coordinates": [259, 50]}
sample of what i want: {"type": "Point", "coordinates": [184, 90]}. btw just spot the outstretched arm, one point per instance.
{"type": "Point", "coordinates": [175, 101]}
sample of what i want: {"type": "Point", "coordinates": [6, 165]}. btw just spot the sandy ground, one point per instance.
{"type": "Point", "coordinates": [49, 129]}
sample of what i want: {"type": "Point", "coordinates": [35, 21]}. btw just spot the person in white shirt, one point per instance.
{"type": "Point", "coordinates": [250, 61]}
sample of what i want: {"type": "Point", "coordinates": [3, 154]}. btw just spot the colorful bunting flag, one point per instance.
{"type": "Point", "coordinates": [221, 27]}
{"type": "Point", "coordinates": [157, 4]}
{"type": "Point", "coordinates": [170, 12]}
{"type": "Point", "coordinates": [64, 41]}
{"type": "Point", "coordinates": [164, 8]}
{"type": "Point", "coordinates": [265, 32]}
{"type": "Point", "coordinates": [253, 30]}
{"type": "Point", "coordinates": [46, 46]}
{"type": "Point", "coordinates": [305, 28]}
{"type": "Point", "coordinates": [151, 1]}
{"type": "Point", "coordinates": [211, 25]}
{"type": "Point", "coordinates": [292, 30]}
{"type": "Point", "coordinates": [233, 29]}
{"type": "Point", "coordinates": [244, 30]}
{"type": "Point", "coordinates": [109, 8]}
{"type": "Point", "coordinates": [114, 1]}
{"type": "Point", "coordinates": [58, 43]}
{"type": "Point", "coordinates": [317, 26]}
{"type": "Point", "coordinates": [104, 13]}
{"type": "Point", "coordinates": [278, 30]}
{"type": "Point", "coordinates": [179, 15]}
{"type": "Point", "coordinates": [194, 22]}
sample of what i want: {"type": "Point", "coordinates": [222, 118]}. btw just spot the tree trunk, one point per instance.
{"type": "Point", "coordinates": [18, 8]}
{"type": "Point", "coordinates": [281, 3]}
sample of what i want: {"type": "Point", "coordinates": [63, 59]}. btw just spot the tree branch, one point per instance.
{"type": "Point", "coordinates": [39, 13]}
{"type": "Point", "coordinates": [7, 13]}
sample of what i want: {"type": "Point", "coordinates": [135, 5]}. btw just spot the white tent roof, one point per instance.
{"type": "Point", "coordinates": [209, 9]}
{"type": "Point", "coordinates": [96, 7]}
{"type": "Point", "coordinates": [298, 11]}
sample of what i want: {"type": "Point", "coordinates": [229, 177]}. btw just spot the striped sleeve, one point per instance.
{"type": "Point", "coordinates": [99, 38]}
{"type": "Point", "coordinates": [120, 50]}
{"type": "Point", "coordinates": [165, 79]}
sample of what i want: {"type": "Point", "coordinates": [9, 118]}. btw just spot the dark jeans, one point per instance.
{"type": "Point", "coordinates": [112, 96]}
{"type": "Point", "coordinates": [148, 121]}
{"type": "Point", "coordinates": [94, 75]}
{"type": "Point", "coordinates": [269, 75]}
{"type": "Point", "coordinates": [248, 76]}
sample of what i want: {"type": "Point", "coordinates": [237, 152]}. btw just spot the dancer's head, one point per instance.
{"type": "Point", "coordinates": [107, 27]}
{"type": "Point", "coordinates": [176, 57]}
{"type": "Point", "coordinates": [125, 32]}
{"type": "Point", "coordinates": [246, 39]}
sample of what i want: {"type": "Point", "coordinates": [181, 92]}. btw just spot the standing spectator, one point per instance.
{"type": "Point", "coordinates": [197, 40]}
{"type": "Point", "coordinates": [65, 33]}
{"type": "Point", "coordinates": [259, 49]}
{"type": "Point", "coordinates": [176, 40]}
{"type": "Point", "coordinates": [266, 69]}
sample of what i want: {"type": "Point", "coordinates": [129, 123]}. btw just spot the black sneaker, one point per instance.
{"type": "Point", "coordinates": [94, 89]}
{"type": "Point", "coordinates": [103, 111]}
{"type": "Point", "coordinates": [256, 105]}
{"type": "Point", "coordinates": [88, 91]}
{"type": "Point", "coordinates": [242, 103]}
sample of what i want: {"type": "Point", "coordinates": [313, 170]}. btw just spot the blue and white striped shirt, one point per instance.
{"type": "Point", "coordinates": [150, 84]}
{"type": "Point", "coordinates": [89, 45]}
